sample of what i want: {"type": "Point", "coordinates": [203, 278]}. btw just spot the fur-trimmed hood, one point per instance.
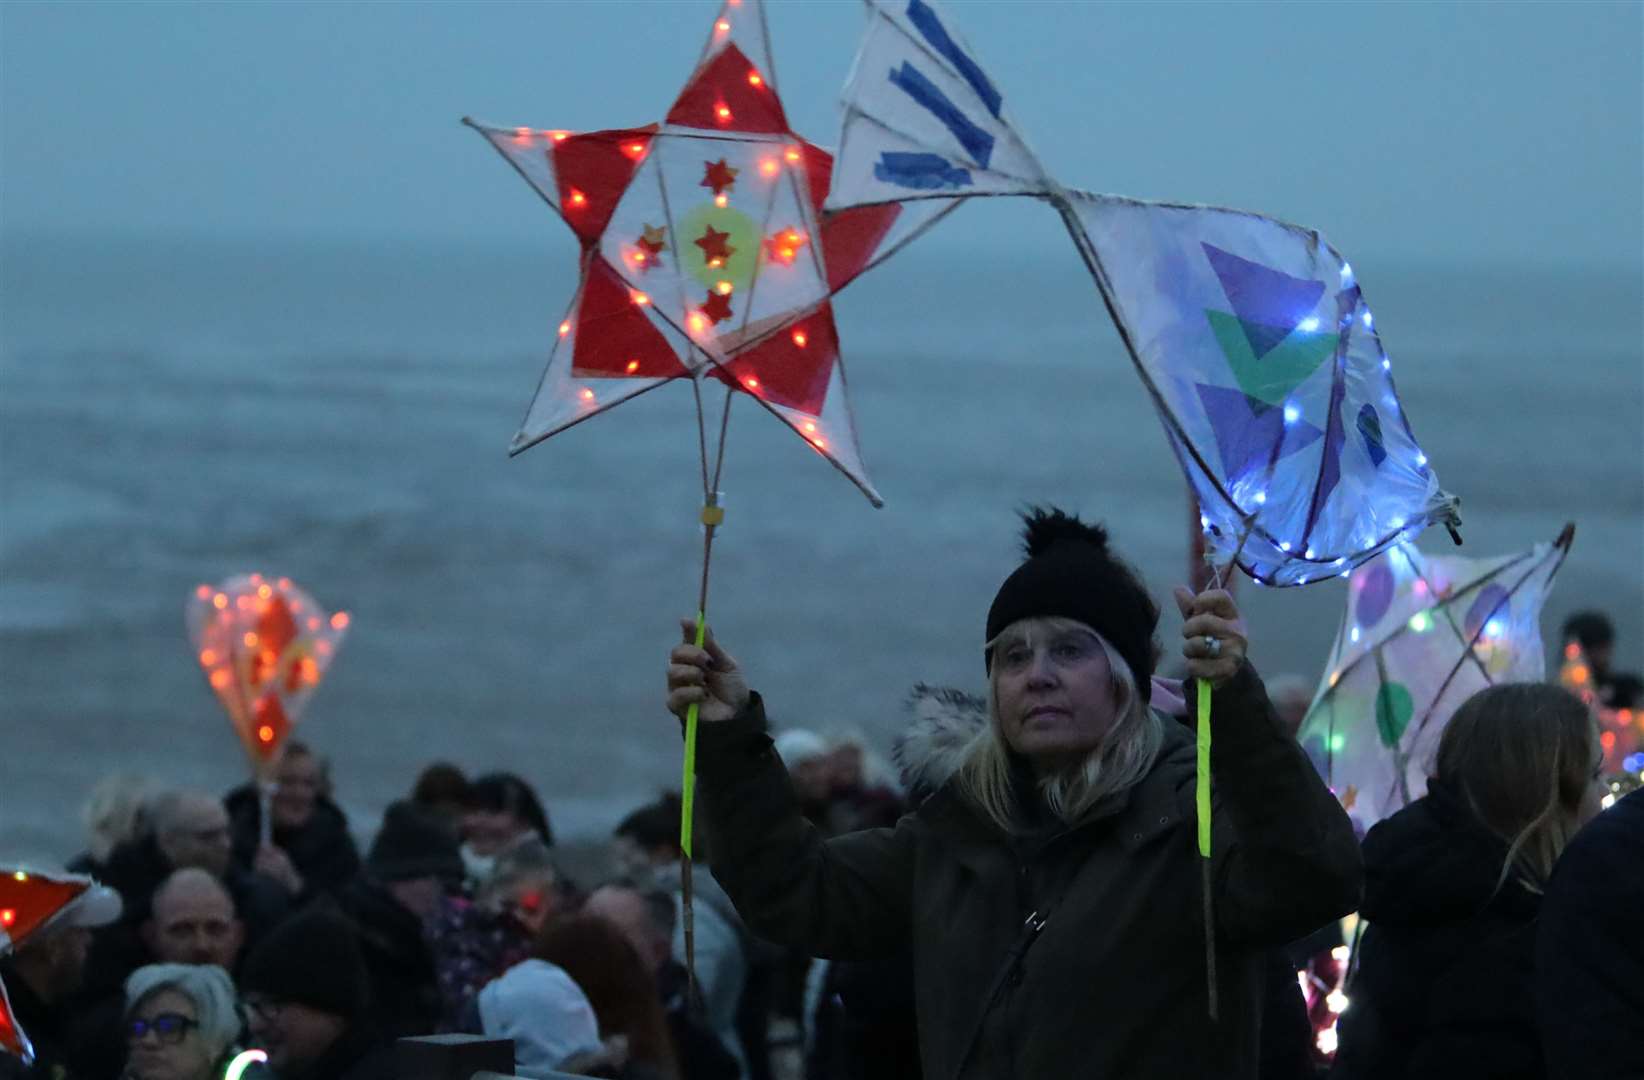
{"type": "Point", "coordinates": [944, 723]}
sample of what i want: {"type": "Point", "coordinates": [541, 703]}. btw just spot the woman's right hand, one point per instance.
{"type": "Point", "coordinates": [706, 677]}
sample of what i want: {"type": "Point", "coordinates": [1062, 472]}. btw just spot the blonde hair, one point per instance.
{"type": "Point", "coordinates": [1522, 755]}
{"type": "Point", "coordinates": [1119, 761]}
{"type": "Point", "coordinates": [114, 814]}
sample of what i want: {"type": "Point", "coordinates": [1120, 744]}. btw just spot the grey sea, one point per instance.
{"type": "Point", "coordinates": [174, 412]}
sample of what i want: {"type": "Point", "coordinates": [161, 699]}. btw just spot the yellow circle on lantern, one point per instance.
{"type": "Point", "coordinates": [742, 238]}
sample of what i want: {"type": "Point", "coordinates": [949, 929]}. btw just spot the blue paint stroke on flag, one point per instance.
{"type": "Point", "coordinates": [977, 143]}
{"type": "Point", "coordinates": [926, 172]}
{"type": "Point", "coordinates": [925, 21]}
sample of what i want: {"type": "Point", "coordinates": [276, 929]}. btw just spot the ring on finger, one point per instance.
{"type": "Point", "coordinates": [1212, 646]}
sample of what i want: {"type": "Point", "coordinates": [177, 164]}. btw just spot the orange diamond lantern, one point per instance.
{"type": "Point", "coordinates": [264, 646]}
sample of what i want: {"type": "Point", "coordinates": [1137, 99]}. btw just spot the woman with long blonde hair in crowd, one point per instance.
{"type": "Point", "coordinates": [1453, 884]}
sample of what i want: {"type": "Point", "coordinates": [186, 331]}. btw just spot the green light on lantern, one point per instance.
{"type": "Point", "coordinates": [1421, 622]}
{"type": "Point", "coordinates": [1338, 742]}
{"type": "Point", "coordinates": [243, 1061]}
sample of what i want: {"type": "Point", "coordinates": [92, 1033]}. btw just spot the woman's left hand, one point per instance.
{"type": "Point", "coordinates": [1215, 643]}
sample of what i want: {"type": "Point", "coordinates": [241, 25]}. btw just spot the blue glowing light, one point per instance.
{"type": "Point", "coordinates": [1309, 324]}
{"type": "Point", "coordinates": [1291, 414]}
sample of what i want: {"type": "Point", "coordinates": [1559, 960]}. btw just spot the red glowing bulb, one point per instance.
{"type": "Point", "coordinates": [799, 338]}
{"type": "Point", "coordinates": [339, 621]}
{"type": "Point", "coordinates": [633, 366]}
{"type": "Point", "coordinates": [587, 395]}
{"type": "Point", "coordinates": [754, 79]}
{"type": "Point", "coordinates": [578, 198]}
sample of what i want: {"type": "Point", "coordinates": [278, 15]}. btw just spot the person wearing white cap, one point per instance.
{"type": "Point", "coordinates": [805, 755]}
{"type": "Point", "coordinates": [47, 968]}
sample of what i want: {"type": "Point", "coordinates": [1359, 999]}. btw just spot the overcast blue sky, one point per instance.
{"type": "Point", "coordinates": [1445, 132]}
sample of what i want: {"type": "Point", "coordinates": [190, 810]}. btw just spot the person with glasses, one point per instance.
{"type": "Point", "coordinates": [181, 1022]}
{"type": "Point", "coordinates": [307, 996]}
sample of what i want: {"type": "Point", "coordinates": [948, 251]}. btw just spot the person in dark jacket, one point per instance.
{"type": "Point", "coordinates": [1445, 970]}
{"type": "Point", "coordinates": [1051, 889]}
{"type": "Point", "coordinates": [41, 976]}
{"type": "Point", "coordinates": [306, 994]}
{"type": "Point", "coordinates": [312, 853]}
{"type": "Point", "coordinates": [412, 865]}
{"type": "Point", "coordinates": [1590, 1000]}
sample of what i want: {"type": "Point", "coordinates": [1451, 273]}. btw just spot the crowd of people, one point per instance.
{"type": "Point", "coordinates": [1019, 895]}
{"type": "Point", "coordinates": [209, 934]}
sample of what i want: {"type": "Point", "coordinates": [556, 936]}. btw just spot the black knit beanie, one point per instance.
{"type": "Point", "coordinates": [312, 958]}
{"type": "Point", "coordinates": [412, 843]}
{"type": "Point", "coordinates": [1071, 574]}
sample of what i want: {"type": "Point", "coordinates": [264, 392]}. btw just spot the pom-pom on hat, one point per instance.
{"type": "Point", "coordinates": [1070, 573]}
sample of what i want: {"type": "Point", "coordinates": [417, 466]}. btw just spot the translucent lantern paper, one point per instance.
{"type": "Point", "coordinates": [13, 1040]}
{"type": "Point", "coordinates": [923, 121]}
{"type": "Point", "coordinates": [1250, 335]}
{"type": "Point", "coordinates": [1618, 729]}
{"type": "Point", "coordinates": [29, 899]}
{"type": "Point", "coordinates": [1421, 634]}
{"type": "Point", "coordinates": [1267, 370]}
{"type": "Point", "coordinates": [705, 252]}
{"type": "Point", "coordinates": [264, 645]}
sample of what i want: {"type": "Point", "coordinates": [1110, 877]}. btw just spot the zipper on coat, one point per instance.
{"type": "Point", "coordinates": [1010, 975]}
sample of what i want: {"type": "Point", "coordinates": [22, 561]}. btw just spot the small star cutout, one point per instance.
{"type": "Point", "coordinates": [650, 244]}
{"type": "Point", "coordinates": [718, 175]}
{"type": "Point", "coordinates": [717, 307]}
{"type": "Point", "coordinates": [713, 245]}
